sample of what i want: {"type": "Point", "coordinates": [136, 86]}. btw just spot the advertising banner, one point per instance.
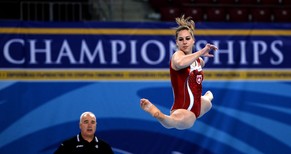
{"type": "Point", "coordinates": [52, 72]}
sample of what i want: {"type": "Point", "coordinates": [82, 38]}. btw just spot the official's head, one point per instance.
{"type": "Point", "coordinates": [88, 124]}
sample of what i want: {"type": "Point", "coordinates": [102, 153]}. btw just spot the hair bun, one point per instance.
{"type": "Point", "coordinates": [185, 22]}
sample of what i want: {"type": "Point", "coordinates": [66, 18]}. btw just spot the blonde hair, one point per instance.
{"type": "Point", "coordinates": [185, 23]}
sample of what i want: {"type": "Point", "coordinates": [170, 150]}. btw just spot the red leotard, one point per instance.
{"type": "Point", "coordinates": [187, 87]}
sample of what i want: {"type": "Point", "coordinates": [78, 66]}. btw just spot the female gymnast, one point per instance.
{"type": "Point", "coordinates": [186, 79]}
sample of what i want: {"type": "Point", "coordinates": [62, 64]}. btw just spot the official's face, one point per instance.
{"type": "Point", "coordinates": [88, 125]}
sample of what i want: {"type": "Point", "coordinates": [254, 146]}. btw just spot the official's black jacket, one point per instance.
{"type": "Point", "coordinates": [77, 145]}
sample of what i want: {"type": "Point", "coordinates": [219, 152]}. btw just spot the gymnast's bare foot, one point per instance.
{"type": "Point", "coordinates": [209, 95]}
{"type": "Point", "coordinates": [147, 106]}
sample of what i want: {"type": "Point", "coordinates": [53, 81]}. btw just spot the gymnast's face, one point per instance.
{"type": "Point", "coordinates": [88, 125]}
{"type": "Point", "coordinates": [185, 41]}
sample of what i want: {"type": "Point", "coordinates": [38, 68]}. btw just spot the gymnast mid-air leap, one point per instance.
{"type": "Point", "coordinates": [186, 79]}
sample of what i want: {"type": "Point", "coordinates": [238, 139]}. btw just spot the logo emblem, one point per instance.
{"type": "Point", "coordinates": [79, 146]}
{"type": "Point", "coordinates": [199, 79]}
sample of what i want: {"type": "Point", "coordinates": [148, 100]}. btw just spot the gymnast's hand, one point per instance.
{"type": "Point", "coordinates": [208, 47]}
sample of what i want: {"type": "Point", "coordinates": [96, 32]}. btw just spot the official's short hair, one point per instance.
{"type": "Point", "coordinates": [87, 113]}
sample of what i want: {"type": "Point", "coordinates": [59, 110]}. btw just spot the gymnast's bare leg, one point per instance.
{"type": "Point", "coordinates": [180, 118]}
{"type": "Point", "coordinates": [206, 104]}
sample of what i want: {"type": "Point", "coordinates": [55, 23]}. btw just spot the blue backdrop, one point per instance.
{"type": "Point", "coordinates": [52, 72]}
